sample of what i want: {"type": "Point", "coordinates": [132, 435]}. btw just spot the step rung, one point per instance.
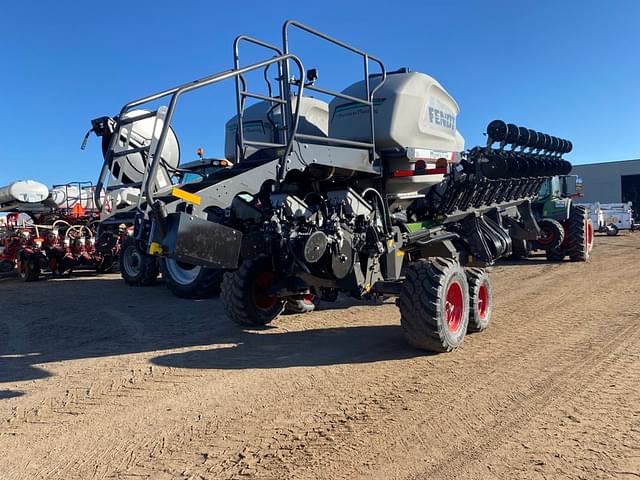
{"type": "Point", "coordinates": [255, 143]}
{"type": "Point", "coordinates": [124, 153]}
{"type": "Point", "coordinates": [111, 188]}
{"type": "Point", "coordinates": [263, 97]}
{"type": "Point", "coordinates": [143, 116]}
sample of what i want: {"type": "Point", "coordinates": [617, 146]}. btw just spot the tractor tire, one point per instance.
{"type": "Point", "coordinates": [137, 268]}
{"type": "Point", "coordinates": [28, 269]}
{"type": "Point", "coordinates": [7, 266]}
{"type": "Point", "coordinates": [552, 234]}
{"type": "Point", "coordinates": [107, 264]}
{"type": "Point", "coordinates": [480, 299]}
{"type": "Point", "coordinates": [612, 230]}
{"type": "Point", "coordinates": [434, 304]}
{"type": "Point", "coordinates": [556, 255]}
{"type": "Point", "coordinates": [191, 281]}
{"type": "Point", "coordinates": [306, 304]}
{"type": "Point", "coordinates": [580, 232]}
{"type": "Point", "coordinates": [243, 293]}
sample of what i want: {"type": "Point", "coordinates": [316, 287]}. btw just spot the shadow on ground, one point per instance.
{"type": "Point", "coordinates": [5, 394]}
{"type": "Point", "coordinates": [326, 346]}
{"type": "Point", "coordinates": [87, 316]}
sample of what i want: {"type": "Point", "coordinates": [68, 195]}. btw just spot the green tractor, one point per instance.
{"type": "Point", "coordinates": [565, 229]}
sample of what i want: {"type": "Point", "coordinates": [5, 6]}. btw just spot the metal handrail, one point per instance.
{"type": "Point", "coordinates": [175, 93]}
{"type": "Point", "coordinates": [210, 80]}
{"type": "Point", "coordinates": [337, 141]}
{"type": "Point", "coordinates": [241, 93]}
{"type": "Point", "coordinates": [368, 101]}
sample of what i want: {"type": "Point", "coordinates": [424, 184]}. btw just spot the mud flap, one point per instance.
{"type": "Point", "coordinates": [201, 242]}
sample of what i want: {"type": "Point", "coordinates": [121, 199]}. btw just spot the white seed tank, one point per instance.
{"type": "Point", "coordinates": [415, 118]}
{"type": "Point", "coordinates": [25, 191]}
{"type": "Point", "coordinates": [412, 110]}
{"type": "Point", "coordinates": [72, 196]}
{"type": "Point", "coordinates": [259, 120]}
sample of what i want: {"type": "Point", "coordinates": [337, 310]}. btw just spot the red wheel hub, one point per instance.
{"type": "Point", "coordinates": [308, 298]}
{"type": "Point", "coordinates": [454, 306]}
{"type": "Point", "coordinates": [262, 299]}
{"type": "Point", "coordinates": [483, 301]}
{"type": "Point", "coordinates": [548, 236]}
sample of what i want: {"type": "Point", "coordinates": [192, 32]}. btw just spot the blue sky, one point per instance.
{"type": "Point", "coordinates": [569, 68]}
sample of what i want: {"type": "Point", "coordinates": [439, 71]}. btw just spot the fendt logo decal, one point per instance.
{"type": "Point", "coordinates": [442, 119]}
{"type": "Point", "coordinates": [439, 115]}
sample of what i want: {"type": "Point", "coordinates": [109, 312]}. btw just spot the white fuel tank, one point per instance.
{"type": "Point", "coordinates": [26, 191]}
{"type": "Point", "coordinates": [412, 110]}
{"type": "Point", "coordinates": [258, 123]}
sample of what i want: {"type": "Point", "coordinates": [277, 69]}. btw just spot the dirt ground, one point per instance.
{"type": "Point", "coordinates": [102, 381]}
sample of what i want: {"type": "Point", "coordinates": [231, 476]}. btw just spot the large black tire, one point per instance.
{"type": "Point", "coordinates": [552, 234]}
{"type": "Point", "coordinates": [137, 268]}
{"type": "Point", "coordinates": [556, 254]}
{"type": "Point", "coordinates": [480, 299]}
{"type": "Point", "coordinates": [434, 304]}
{"type": "Point", "coordinates": [190, 281]}
{"type": "Point", "coordinates": [107, 264]}
{"type": "Point", "coordinates": [580, 233]}
{"type": "Point", "coordinates": [243, 293]}
{"type": "Point", "coordinates": [28, 268]}
{"type": "Point", "coordinates": [612, 230]}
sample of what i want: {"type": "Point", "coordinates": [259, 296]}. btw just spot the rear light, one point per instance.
{"type": "Point", "coordinates": [441, 163]}
{"type": "Point", "coordinates": [403, 173]}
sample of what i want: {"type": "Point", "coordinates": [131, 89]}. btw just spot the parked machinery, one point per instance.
{"type": "Point", "coordinates": [370, 195]}
{"type": "Point", "coordinates": [121, 179]}
{"type": "Point", "coordinates": [610, 218]}
{"type": "Point", "coordinates": [49, 230]}
{"type": "Point", "coordinates": [566, 229]}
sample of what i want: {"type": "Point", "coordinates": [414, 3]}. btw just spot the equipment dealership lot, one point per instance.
{"type": "Point", "coordinates": [100, 380]}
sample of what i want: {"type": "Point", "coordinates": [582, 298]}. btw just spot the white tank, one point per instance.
{"type": "Point", "coordinates": [314, 120]}
{"type": "Point", "coordinates": [70, 196]}
{"type": "Point", "coordinates": [131, 168]}
{"type": "Point", "coordinates": [26, 191]}
{"type": "Point", "coordinates": [412, 110]}
{"type": "Point", "coordinates": [414, 117]}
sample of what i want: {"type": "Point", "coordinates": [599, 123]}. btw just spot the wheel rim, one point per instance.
{"type": "Point", "coordinates": [454, 306]}
{"type": "Point", "coordinates": [483, 301]}
{"type": "Point", "coordinates": [548, 236]}
{"type": "Point", "coordinates": [132, 261]}
{"type": "Point", "coordinates": [261, 298]}
{"type": "Point", "coordinates": [588, 233]}
{"type": "Point", "coordinates": [182, 273]}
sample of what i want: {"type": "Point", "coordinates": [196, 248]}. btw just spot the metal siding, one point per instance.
{"type": "Point", "coordinates": [602, 181]}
